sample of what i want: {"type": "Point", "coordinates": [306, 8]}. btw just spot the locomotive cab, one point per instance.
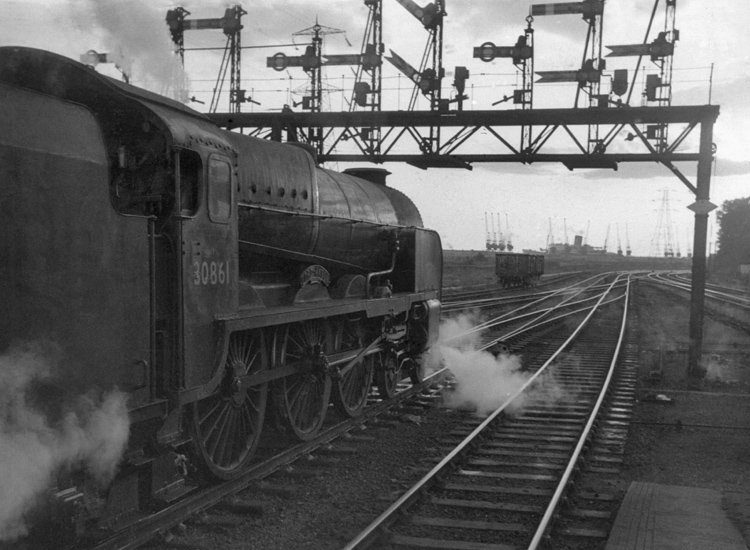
{"type": "Point", "coordinates": [159, 215]}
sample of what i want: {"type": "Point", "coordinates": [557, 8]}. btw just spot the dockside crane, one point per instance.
{"type": "Point", "coordinates": [550, 239]}
{"type": "Point", "coordinates": [628, 252]}
{"type": "Point", "coordinates": [509, 244]}
{"type": "Point", "coordinates": [606, 239]}
{"type": "Point", "coordinates": [501, 237]}
{"type": "Point", "coordinates": [494, 233]}
{"type": "Point", "coordinates": [488, 243]}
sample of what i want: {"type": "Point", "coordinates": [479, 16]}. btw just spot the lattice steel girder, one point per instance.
{"type": "Point", "coordinates": [605, 159]}
{"type": "Point", "coordinates": [690, 114]}
{"type": "Point", "coordinates": [407, 128]}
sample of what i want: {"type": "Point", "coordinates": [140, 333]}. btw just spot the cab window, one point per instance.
{"type": "Point", "coordinates": [191, 168]}
{"type": "Point", "coordinates": [219, 189]}
{"type": "Point", "coordinates": [141, 182]}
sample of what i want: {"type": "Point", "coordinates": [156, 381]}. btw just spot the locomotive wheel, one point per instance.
{"type": "Point", "coordinates": [227, 424]}
{"type": "Point", "coordinates": [351, 391]}
{"type": "Point", "coordinates": [387, 375]}
{"type": "Point", "coordinates": [302, 398]}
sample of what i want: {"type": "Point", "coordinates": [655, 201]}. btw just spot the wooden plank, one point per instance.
{"type": "Point", "coordinates": [532, 444]}
{"type": "Point", "coordinates": [539, 420]}
{"type": "Point", "coordinates": [437, 544]}
{"type": "Point", "coordinates": [483, 505]}
{"type": "Point", "coordinates": [532, 437]}
{"type": "Point", "coordinates": [505, 464]}
{"type": "Point", "coordinates": [587, 533]}
{"type": "Point", "coordinates": [592, 495]}
{"type": "Point", "coordinates": [503, 475]}
{"type": "Point", "coordinates": [469, 524]}
{"type": "Point", "coordinates": [588, 514]}
{"type": "Point", "coordinates": [522, 454]}
{"type": "Point", "coordinates": [599, 470]}
{"type": "Point", "coordinates": [463, 487]}
{"type": "Point", "coordinates": [546, 430]}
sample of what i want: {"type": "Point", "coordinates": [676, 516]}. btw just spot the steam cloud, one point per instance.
{"type": "Point", "coordinates": [40, 436]}
{"type": "Point", "coordinates": [137, 36]}
{"type": "Point", "coordinates": [484, 381]}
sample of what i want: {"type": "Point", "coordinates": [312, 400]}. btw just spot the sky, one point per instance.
{"type": "Point", "coordinates": [711, 63]}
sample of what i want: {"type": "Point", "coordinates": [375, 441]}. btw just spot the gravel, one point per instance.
{"type": "Point", "coordinates": [696, 438]}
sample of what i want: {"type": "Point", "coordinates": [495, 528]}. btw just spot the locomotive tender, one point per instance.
{"type": "Point", "coordinates": [218, 279]}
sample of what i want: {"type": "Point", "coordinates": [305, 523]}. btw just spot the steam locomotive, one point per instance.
{"type": "Point", "coordinates": [217, 279]}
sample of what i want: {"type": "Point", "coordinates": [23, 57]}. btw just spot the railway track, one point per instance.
{"type": "Point", "coordinates": [504, 481]}
{"type": "Point", "coordinates": [480, 294]}
{"type": "Point", "coordinates": [515, 323]}
{"type": "Point", "coordinates": [735, 297]}
{"type": "Point", "coordinates": [275, 459]}
{"type": "Point", "coordinates": [272, 458]}
{"type": "Point", "coordinates": [728, 306]}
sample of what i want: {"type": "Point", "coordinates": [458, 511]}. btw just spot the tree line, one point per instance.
{"type": "Point", "coordinates": [734, 235]}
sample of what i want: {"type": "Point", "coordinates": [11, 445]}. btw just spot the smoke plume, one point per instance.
{"type": "Point", "coordinates": [137, 39]}
{"type": "Point", "coordinates": [44, 432]}
{"type": "Point", "coordinates": [483, 381]}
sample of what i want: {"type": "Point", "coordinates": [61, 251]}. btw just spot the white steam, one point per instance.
{"type": "Point", "coordinates": [89, 431]}
{"type": "Point", "coordinates": [137, 38]}
{"type": "Point", "coordinates": [485, 381]}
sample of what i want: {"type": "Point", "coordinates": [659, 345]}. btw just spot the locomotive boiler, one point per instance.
{"type": "Point", "coordinates": [217, 280]}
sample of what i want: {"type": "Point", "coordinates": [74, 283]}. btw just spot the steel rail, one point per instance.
{"type": "Point", "coordinates": [454, 305]}
{"type": "Point", "coordinates": [389, 515]}
{"type": "Point", "coordinates": [737, 301]}
{"type": "Point", "coordinates": [488, 324]}
{"type": "Point", "coordinates": [565, 303]}
{"type": "Point", "coordinates": [684, 277]}
{"type": "Point", "coordinates": [456, 296]}
{"type": "Point", "coordinates": [543, 313]}
{"type": "Point", "coordinates": [145, 529]}
{"type": "Point", "coordinates": [500, 298]}
{"type": "Point", "coordinates": [552, 320]}
{"type": "Point", "coordinates": [496, 301]}
{"type": "Point", "coordinates": [545, 523]}
{"type": "Point", "coordinates": [531, 326]}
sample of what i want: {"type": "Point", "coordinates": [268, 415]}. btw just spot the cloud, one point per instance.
{"type": "Point", "coordinates": [646, 170]}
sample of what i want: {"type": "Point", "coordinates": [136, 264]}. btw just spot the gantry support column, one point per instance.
{"type": "Point", "coordinates": [701, 207]}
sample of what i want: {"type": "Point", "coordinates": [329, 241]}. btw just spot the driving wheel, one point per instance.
{"type": "Point", "coordinates": [228, 423]}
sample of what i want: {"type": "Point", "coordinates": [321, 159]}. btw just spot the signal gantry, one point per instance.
{"type": "Point", "coordinates": [231, 25]}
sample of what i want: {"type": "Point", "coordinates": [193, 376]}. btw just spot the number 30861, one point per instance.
{"type": "Point", "coordinates": [210, 273]}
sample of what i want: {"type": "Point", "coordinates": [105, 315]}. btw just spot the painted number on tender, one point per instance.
{"type": "Point", "coordinates": [210, 273]}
